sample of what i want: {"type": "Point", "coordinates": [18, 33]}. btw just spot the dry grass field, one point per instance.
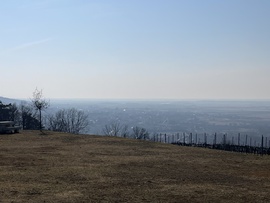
{"type": "Point", "coordinates": [58, 167]}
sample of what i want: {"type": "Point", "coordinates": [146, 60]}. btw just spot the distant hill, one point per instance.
{"type": "Point", "coordinates": [9, 100]}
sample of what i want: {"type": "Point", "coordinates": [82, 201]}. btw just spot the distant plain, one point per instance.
{"type": "Point", "coordinates": [250, 118]}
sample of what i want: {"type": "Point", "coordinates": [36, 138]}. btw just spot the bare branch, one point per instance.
{"type": "Point", "coordinates": [40, 104]}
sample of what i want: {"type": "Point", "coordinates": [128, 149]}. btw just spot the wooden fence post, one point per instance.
{"type": "Point", "coordinates": [262, 146]}
{"type": "Point", "coordinates": [224, 139]}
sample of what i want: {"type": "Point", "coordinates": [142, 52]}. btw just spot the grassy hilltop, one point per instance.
{"type": "Point", "coordinates": [59, 167]}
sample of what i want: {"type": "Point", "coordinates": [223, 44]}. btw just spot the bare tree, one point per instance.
{"type": "Point", "coordinates": [40, 104]}
{"type": "Point", "coordinates": [113, 129]}
{"type": "Point", "coordinates": [124, 131]}
{"type": "Point", "coordinates": [70, 120]}
{"type": "Point", "coordinates": [140, 133]}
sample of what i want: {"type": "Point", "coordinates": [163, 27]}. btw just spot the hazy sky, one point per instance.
{"type": "Point", "coordinates": [143, 49]}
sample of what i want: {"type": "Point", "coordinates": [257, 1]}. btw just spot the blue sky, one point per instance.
{"type": "Point", "coordinates": [136, 49]}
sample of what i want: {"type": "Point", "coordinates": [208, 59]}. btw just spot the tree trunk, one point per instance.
{"type": "Point", "coordinates": [40, 124]}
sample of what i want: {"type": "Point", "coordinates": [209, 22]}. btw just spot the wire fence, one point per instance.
{"type": "Point", "coordinates": [236, 143]}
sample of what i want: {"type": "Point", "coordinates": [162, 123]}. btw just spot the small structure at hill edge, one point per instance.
{"type": "Point", "coordinates": [9, 127]}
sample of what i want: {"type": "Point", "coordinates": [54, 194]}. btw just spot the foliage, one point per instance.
{"type": "Point", "coordinates": [22, 115]}
{"type": "Point", "coordinates": [8, 112]}
{"type": "Point", "coordinates": [28, 118]}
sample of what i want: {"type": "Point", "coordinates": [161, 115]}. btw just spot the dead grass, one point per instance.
{"type": "Point", "coordinates": [57, 167]}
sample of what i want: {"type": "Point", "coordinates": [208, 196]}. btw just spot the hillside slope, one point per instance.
{"type": "Point", "coordinates": [6, 100]}
{"type": "Point", "coordinates": [59, 167]}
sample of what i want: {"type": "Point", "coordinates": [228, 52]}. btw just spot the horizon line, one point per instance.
{"type": "Point", "coordinates": [150, 99]}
